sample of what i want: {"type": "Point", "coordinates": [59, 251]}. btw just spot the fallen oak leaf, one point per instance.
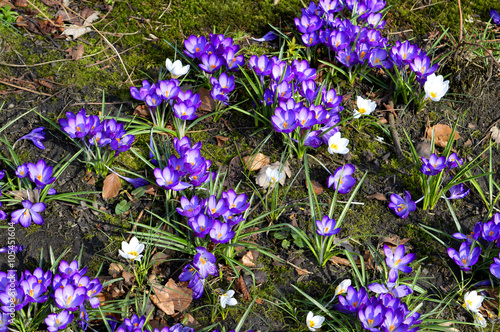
{"type": "Point", "coordinates": [75, 52]}
{"type": "Point", "coordinates": [75, 31]}
{"type": "Point", "coordinates": [221, 140]}
{"type": "Point", "coordinates": [171, 297]}
{"type": "Point", "coordinates": [111, 186]}
{"type": "Point", "coordinates": [247, 259]}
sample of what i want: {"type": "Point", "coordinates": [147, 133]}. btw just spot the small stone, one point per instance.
{"type": "Point", "coordinates": [11, 106]}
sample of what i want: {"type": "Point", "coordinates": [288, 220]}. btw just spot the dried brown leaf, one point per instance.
{"type": "Point", "coordinates": [51, 3]}
{"type": "Point", "coordinates": [442, 134]}
{"type": "Point", "coordinates": [171, 297]}
{"type": "Point", "coordinates": [318, 188]}
{"type": "Point", "coordinates": [86, 13]}
{"type": "Point", "coordinates": [207, 102]}
{"type": "Point", "coordinates": [190, 321]}
{"type": "Point", "coordinates": [302, 271]}
{"type": "Point", "coordinates": [21, 3]}
{"type": "Point", "coordinates": [142, 111]}
{"type": "Point", "coordinates": [256, 162]}
{"type": "Point", "coordinates": [151, 189]}
{"type": "Point", "coordinates": [89, 178]}
{"type": "Point", "coordinates": [75, 52]}
{"type": "Point", "coordinates": [242, 287]}
{"type": "Point", "coordinates": [128, 278]}
{"type": "Point", "coordinates": [495, 134]}
{"type": "Point", "coordinates": [76, 31]}
{"type": "Point", "coordinates": [5, 2]}
{"type": "Point", "coordinates": [340, 261]}
{"type": "Point", "coordinates": [111, 186]}
{"type": "Point", "coordinates": [221, 140]}
{"type": "Point", "coordinates": [392, 241]}
{"type": "Point", "coordinates": [377, 196]}
{"type": "Point", "coordinates": [115, 270]}
{"type": "Point", "coordinates": [247, 259]}
{"type": "Point", "coordinates": [68, 17]}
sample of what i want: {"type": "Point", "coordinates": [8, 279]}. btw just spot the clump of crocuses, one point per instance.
{"type": "Point", "coordinates": [102, 140]}
{"type": "Point", "coordinates": [58, 298]}
{"type": "Point", "coordinates": [33, 180]}
{"type": "Point", "coordinates": [384, 311]}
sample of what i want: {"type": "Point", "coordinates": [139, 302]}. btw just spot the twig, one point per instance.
{"type": "Point", "coordinates": [422, 7]}
{"type": "Point", "coordinates": [114, 103]}
{"type": "Point", "coordinates": [461, 22]}
{"type": "Point", "coordinates": [25, 89]}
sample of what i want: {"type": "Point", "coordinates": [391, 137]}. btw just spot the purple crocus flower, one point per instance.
{"type": "Point", "coordinates": [396, 291]}
{"type": "Point", "coordinates": [454, 161]}
{"type": "Point", "coordinates": [122, 144]}
{"type": "Point", "coordinates": [5, 320]}
{"type": "Point", "coordinates": [353, 301]}
{"type": "Point", "coordinates": [67, 270]}
{"type": "Point", "coordinates": [153, 99]}
{"type": "Point", "coordinates": [133, 323]}
{"type": "Point", "coordinates": [326, 227]}
{"type": "Point", "coordinates": [465, 258]}
{"type": "Point", "coordinates": [490, 231]}
{"type": "Point", "coordinates": [473, 236]}
{"type": "Point", "coordinates": [201, 224]}
{"type": "Point", "coordinates": [60, 321]}
{"type": "Point", "coordinates": [36, 136]}
{"type": "Point", "coordinates": [302, 71]}
{"type": "Point", "coordinates": [210, 63]}
{"type": "Point", "coordinates": [403, 53]}
{"type": "Point", "coordinates": [196, 282]}
{"type": "Point", "coordinates": [168, 89]}
{"type": "Point", "coordinates": [310, 39]}
{"type": "Point", "coordinates": [347, 57]}
{"type": "Point", "coordinates": [313, 140]}
{"type": "Point", "coordinates": [31, 212]}
{"type": "Point", "coordinates": [375, 21]}
{"type": "Point", "coordinates": [184, 112]}
{"type": "Point", "coordinates": [233, 61]}
{"type": "Point", "coordinates": [495, 16]}
{"type": "Point", "coordinates": [216, 208]}
{"type": "Point", "coordinates": [236, 203]}
{"type": "Point", "coordinates": [394, 321]}
{"type": "Point", "coordinates": [402, 206]}
{"type": "Point", "coordinates": [77, 126]}
{"type": "Point", "coordinates": [169, 179]}
{"type": "Point", "coordinates": [40, 174]}
{"type": "Point", "coordinates": [398, 261]}
{"type": "Point", "coordinates": [342, 178]}
{"type": "Point", "coordinates": [378, 58]}
{"type": "Point", "coordinates": [22, 171]}
{"type": "Point", "coordinates": [136, 182]}
{"type": "Point", "coordinates": [204, 261]}
{"type": "Point", "coordinates": [260, 65]}
{"type": "Point", "coordinates": [339, 40]}
{"type": "Point", "coordinates": [309, 91]}
{"type": "Point", "coordinates": [331, 99]}
{"type": "Point", "coordinates": [190, 208]}
{"type": "Point", "coordinates": [266, 38]}
{"type": "Point", "coordinates": [306, 118]}
{"type": "Point", "coordinates": [458, 191]}
{"type": "Point", "coordinates": [140, 94]}
{"type": "Point", "coordinates": [221, 232]}
{"type": "Point", "coordinates": [422, 66]}
{"type": "Point", "coordinates": [284, 90]}
{"type": "Point", "coordinates": [69, 297]}
{"type": "Point", "coordinates": [189, 98]}
{"type": "Point", "coordinates": [433, 165]}
{"type": "Point", "coordinates": [330, 6]}
{"type": "Point", "coordinates": [308, 24]}
{"type": "Point", "coordinates": [195, 47]}
{"type": "Point", "coordinates": [13, 299]}
{"type": "Point", "coordinates": [284, 121]}
{"type": "Point", "coordinates": [44, 278]}
{"type": "Point", "coordinates": [495, 267]}
{"type": "Point", "coordinates": [372, 316]}
{"type": "Point", "coordinates": [15, 248]}
{"type": "Point", "coordinates": [33, 289]}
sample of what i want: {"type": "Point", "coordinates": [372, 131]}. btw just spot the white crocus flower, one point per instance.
{"type": "Point", "coordinates": [480, 320]}
{"type": "Point", "coordinates": [337, 144]}
{"type": "Point", "coordinates": [365, 107]}
{"type": "Point", "coordinates": [342, 287]}
{"type": "Point", "coordinates": [227, 299]}
{"type": "Point", "coordinates": [132, 250]}
{"type": "Point", "coordinates": [273, 175]}
{"type": "Point", "coordinates": [176, 69]}
{"type": "Point", "coordinates": [473, 301]}
{"type": "Point", "coordinates": [314, 322]}
{"type": "Point", "coordinates": [435, 88]}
